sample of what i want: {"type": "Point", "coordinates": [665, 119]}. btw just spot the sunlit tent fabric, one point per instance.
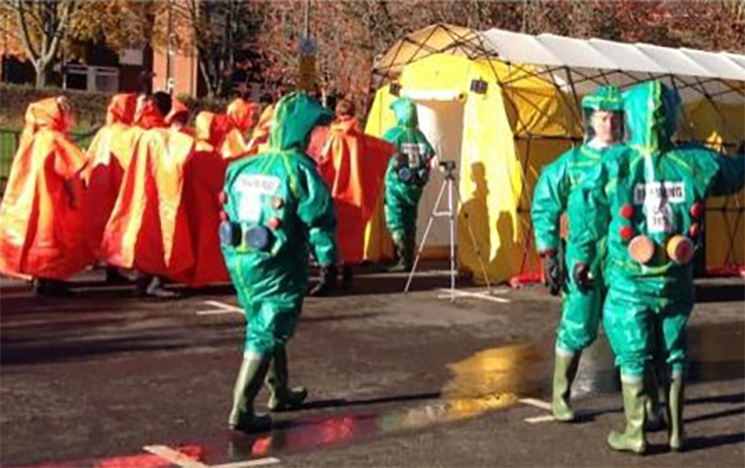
{"type": "Point", "coordinates": [504, 104]}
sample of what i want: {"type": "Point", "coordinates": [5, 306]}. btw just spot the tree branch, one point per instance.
{"type": "Point", "coordinates": [25, 36]}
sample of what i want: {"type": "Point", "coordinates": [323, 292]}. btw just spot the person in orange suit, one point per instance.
{"type": "Point", "coordinates": [108, 156]}
{"type": "Point", "coordinates": [148, 229]}
{"type": "Point", "coordinates": [260, 136]}
{"type": "Point", "coordinates": [43, 216]}
{"type": "Point", "coordinates": [353, 165]}
{"type": "Point", "coordinates": [204, 177]}
{"type": "Point", "coordinates": [241, 115]}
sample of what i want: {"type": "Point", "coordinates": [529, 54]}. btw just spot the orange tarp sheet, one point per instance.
{"type": "Point", "coordinates": [353, 165]}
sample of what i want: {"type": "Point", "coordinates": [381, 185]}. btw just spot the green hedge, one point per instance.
{"type": "Point", "coordinates": [90, 107]}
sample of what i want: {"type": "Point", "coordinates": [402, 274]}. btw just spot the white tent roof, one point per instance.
{"type": "Point", "coordinates": [552, 50]}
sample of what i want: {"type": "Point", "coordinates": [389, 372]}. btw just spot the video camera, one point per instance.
{"type": "Point", "coordinates": [447, 166]}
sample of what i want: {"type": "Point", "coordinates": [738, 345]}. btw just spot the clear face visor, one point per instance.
{"type": "Point", "coordinates": [605, 124]}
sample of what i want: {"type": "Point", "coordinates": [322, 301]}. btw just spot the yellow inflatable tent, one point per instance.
{"type": "Point", "coordinates": [503, 104]}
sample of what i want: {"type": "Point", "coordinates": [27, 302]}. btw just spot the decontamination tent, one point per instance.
{"type": "Point", "coordinates": [503, 104]}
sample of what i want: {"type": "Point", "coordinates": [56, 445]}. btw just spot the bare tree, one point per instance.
{"type": "Point", "coordinates": [39, 26]}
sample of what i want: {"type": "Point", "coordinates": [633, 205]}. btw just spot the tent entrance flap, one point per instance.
{"type": "Point", "coordinates": [441, 121]}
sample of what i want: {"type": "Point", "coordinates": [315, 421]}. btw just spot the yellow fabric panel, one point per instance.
{"type": "Point", "coordinates": [717, 123]}
{"type": "Point", "coordinates": [435, 37]}
{"type": "Point", "coordinates": [438, 72]}
{"type": "Point", "coordinates": [378, 244]}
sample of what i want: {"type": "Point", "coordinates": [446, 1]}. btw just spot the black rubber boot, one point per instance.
{"type": "Point", "coordinates": [114, 276]}
{"type": "Point", "coordinates": [52, 288]}
{"type": "Point", "coordinates": [282, 397]}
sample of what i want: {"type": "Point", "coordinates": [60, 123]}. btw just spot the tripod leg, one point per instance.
{"type": "Point", "coordinates": [424, 239]}
{"type": "Point", "coordinates": [451, 219]}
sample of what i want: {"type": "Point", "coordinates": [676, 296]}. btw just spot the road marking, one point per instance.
{"type": "Point", "coordinates": [484, 296]}
{"type": "Point", "coordinates": [539, 419]}
{"type": "Point", "coordinates": [248, 463]}
{"type": "Point", "coordinates": [221, 308]}
{"type": "Point", "coordinates": [173, 456]}
{"type": "Point", "coordinates": [178, 458]}
{"type": "Point", "coordinates": [536, 403]}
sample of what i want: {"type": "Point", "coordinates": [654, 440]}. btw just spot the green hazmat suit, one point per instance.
{"type": "Point", "coordinates": [279, 212]}
{"type": "Point", "coordinates": [657, 189]}
{"type": "Point", "coordinates": [553, 196]}
{"type": "Point", "coordinates": [406, 176]}
{"type": "Point", "coordinates": [279, 186]}
{"type": "Point", "coordinates": [650, 199]}
{"type": "Point", "coordinates": [557, 192]}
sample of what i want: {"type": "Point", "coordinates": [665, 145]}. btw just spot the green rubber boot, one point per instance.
{"type": "Point", "coordinates": [282, 397]}
{"type": "Point", "coordinates": [675, 403]}
{"type": "Point", "coordinates": [248, 384]}
{"type": "Point", "coordinates": [633, 438]}
{"type": "Point", "coordinates": [565, 370]}
{"type": "Point", "coordinates": [655, 420]}
{"type": "Point", "coordinates": [405, 253]}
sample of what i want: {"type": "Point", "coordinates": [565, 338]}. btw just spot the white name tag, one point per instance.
{"type": "Point", "coordinates": [414, 153]}
{"type": "Point", "coordinates": [265, 185]}
{"type": "Point", "coordinates": [656, 198]}
{"type": "Point", "coordinates": [656, 193]}
{"type": "Point", "coordinates": [250, 189]}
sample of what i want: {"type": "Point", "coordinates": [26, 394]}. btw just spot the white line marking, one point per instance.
{"type": "Point", "coordinates": [539, 419]}
{"type": "Point", "coordinates": [217, 312]}
{"type": "Point", "coordinates": [222, 305]}
{"type": "Point", "coordinates": [536, 403]}
{"type": "Point", "coordinates": [487, 297]}
{"type": "Point", "coordinates": [222, 308]}
{"type": "Point", "coordinates": [173, 456]}
{"type": "Point", "coordinates": [248, 463]}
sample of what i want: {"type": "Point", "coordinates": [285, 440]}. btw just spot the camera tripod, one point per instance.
{"type": "Point", "coordinates": [453, 201]}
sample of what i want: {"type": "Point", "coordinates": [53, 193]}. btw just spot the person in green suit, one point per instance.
{"type": "Point", "coordinates": [405, 178]}
{"type": "Point", "coordinates": [652, 196]}
{"type": "Point", "coordinates": [278, 212]}
{"type": "Point", "coordinates": [553, 196]}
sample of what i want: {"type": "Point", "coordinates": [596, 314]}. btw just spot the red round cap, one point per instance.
{"type": "Point", "coordinates": [627, 211]}
{"type": "Point", "coordinates": [697, 210]}
{"type": "Point", "coordinates": [223, 197]}
{"type": "Point", "coordinates": [694, 230]}
{"type": "Point", "coordinates": [223, 216]}
{"type": "Point", "coordinates": [626, 233]}
{"type": "Point", "coordinates": [274, 223]}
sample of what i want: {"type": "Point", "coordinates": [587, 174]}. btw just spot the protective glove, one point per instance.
{"type": "Point", "coordinates": [552, 272]}
{"type": "Point", "coordinates": [581, 275]}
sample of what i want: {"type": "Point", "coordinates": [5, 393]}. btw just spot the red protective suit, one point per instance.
{"type": "Point", "coordinates": [240, 117]}
{"type": "Point", "coordinates": [148, 228]}
{"type": "Point", "coordinates": [353, 165]}
{"type": "Point", "coordinates": [43, 212]}
{"type": "Point", "coordinates": [203, 182]}
{"type": "Point", "coordinates": [108, 157]}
